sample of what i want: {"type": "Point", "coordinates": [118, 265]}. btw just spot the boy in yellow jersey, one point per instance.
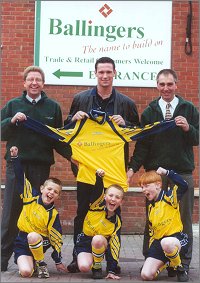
{"type": "Point", "coordinates": [101, 230]}
{"type": "Point", "coordinates": [165, 227]}
{"type": "Point", "coordinates": [39, 224]}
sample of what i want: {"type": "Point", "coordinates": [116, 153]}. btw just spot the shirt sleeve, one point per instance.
{"type": "Point", "coordinates": [179, 189]}
{"type": "Point", "coordinates": [55, 237]}
{"type": "Point", "coordinates": [22, 184]}
{"type": "Point", "coordinates": [113, 250]}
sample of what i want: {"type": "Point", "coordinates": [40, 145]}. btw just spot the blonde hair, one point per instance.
{"type": "Point", "coordinates": [55, 181]}
{"type": "Point", "coordinates": [149, 177]}
{"type": "Point", "coordinates": [33, 69]}
{"type": "Point", "coordinates": [116, 186]}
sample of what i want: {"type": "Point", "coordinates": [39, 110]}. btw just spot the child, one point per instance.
{"type": "Point", "coordinates": [165, 226]}
{"type": "Point", "coordinates": [101, 230]}
{"type": "Point", "coordinates": [39, 224]}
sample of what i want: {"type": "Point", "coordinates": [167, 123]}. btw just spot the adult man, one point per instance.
{"type": "Point", "coordinates": [172, 149]}
{"type": "Point", "coordinates": [36, 151]}
{"type": "Point", "coordinates": [122, 110]}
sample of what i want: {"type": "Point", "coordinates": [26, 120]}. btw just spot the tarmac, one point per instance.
{"type": "Point", "coordinates": [130, 261]}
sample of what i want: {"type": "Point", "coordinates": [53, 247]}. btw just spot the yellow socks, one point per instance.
{"type": "Point", "coordinates": [37, 250]}
{"type": "Point", "coordinates": [174, 258]}
{"type": "Point", "coordinates": [164, 266]}
{"type": "Point", "coordinates": [98, 255]}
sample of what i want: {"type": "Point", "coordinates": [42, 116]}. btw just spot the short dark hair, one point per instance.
{"type": "Point", "coordinates": [103, 60]}
{"type": "Point", "coordinates": [33, 69]}
{"type": "Point", "coordinates": [167, 72]}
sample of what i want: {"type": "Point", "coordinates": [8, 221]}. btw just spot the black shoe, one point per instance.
{"type": "Point", "coordinates": [186, 267]}
{"type": "Point", "coordinates": [73, 267]}
{"type": "Point", "coordinates": [97, 273]}
{"type": "Point", "coordinates": [182, 275]}
{"type": "Point", "coordinates": [171, 272]}
{"type": "Point", "coordinates": [117, 270]}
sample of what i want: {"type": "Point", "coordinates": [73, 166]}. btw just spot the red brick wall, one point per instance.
{"type": "Point", "coordinates": [18, 52]}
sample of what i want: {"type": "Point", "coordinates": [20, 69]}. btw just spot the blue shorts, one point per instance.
{"type": "Point", "coordinates": [21, 246]}
{"type": "Point", "coordinates": [156, 250]}
{"type": "Point", "coordinates": [83, 244]}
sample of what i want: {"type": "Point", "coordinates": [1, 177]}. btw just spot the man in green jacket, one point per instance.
{"type": "Point", "coordinates": [171, 149]}
{"type": "Point", "coordinates": [36, 151]}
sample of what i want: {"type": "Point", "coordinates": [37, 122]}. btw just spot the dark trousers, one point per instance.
{"type": "Point", "coordinates": [83, 200]}
{"type": "Point", "coordinates": [186, 210]}
{"type": "Point", "coordinates": [12, 204]}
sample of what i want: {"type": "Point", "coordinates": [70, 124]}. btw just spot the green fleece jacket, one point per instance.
{"type": "Point", "coordinates": [171, 149]}
{"type": "Point", "coordinates": [33, 147]}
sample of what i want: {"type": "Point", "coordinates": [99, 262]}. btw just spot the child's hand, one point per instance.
{"type": "Point", "coordinates": [161, 171]}
{"type": "Point", "coordinates": [100, 172]}
{"type": "Point", "coordinates": [13, 151]}
{"type": "Point", "coordinates": [112, 276]}
{"type": "Point", "coordinates": [61, 267]}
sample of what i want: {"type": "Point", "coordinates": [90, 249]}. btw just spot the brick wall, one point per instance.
{"type": "Point", "coordinates": [17, 35]}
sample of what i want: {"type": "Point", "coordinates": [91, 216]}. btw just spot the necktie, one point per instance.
{"type": "Point", "coordinates": [33, 102]}
{"type": "Point", "coordinates": [168, 114]}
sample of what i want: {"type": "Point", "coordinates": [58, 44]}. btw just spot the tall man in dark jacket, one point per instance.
{"type": "Point", "coordinates": [123, 111]}
{"type": "Point", "coordinates": [36, 151]}
{"type": "Point", "coordinates": [171, 149]}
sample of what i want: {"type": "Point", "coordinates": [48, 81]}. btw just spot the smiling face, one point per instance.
{"type": "Point", "coordinates": [113, 198]}
{"type": "Point", "coordinates": [34, 84]}
{"type": "Point", "coordinates": [151, 184]}
{"type": "Point", "coordinates": [50, 191]}
{"type": "Point", "coordinates": [166, 86]}
{"type": "Point", "coordinates": [151, 191]}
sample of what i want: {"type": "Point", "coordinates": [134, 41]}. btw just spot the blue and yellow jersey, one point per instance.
{"type": "Point", "coordinates": [96, 222]}
{"type": "Point", "coordinates": [163, 214]}
{"type": "Point", "coordinates": [98, 142]}
{"type": "Point", "coordinates": [35, 215]}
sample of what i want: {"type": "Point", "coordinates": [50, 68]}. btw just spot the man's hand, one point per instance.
{"type": "Point", "coordinates": [182, 123]}
{"type": "Point", "coordinates": [129, 175]}
{"type": "Point", "coordinates": [13, 151]}
{"type": "Point", "coordinates": [161, 171]}
{"type": "Point", "coordinates": [19, 116]}
{"type": "Point", "coordinates": [61, 267]}
{"type": "Point", "coordinates": [79, 116]}
{"type": "Point", "coordinates": [118, 120]}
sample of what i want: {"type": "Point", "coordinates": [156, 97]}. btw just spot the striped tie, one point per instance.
{"type": "Point", "coordinates": [33, 102]}
{"type": "Point", "coordinates": [168, 114]}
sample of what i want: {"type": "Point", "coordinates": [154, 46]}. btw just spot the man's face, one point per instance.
{"type": "Point", "coordinates": [34, 84]}
{"type": "Point", "coordinates": [105, 74]}
{"type": "Point", "coordinates": [167, 87]}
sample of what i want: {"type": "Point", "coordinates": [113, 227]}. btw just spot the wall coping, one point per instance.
{"type": "Point", "coordinates": [130, 190]}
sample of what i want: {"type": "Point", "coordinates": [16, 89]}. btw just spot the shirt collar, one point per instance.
{"type": "Point", "coordinates": [31, 99]}
{"type": "Point", "coordinates": [47, 207]}
{"type": "Point", "coordinates": [173, 103]}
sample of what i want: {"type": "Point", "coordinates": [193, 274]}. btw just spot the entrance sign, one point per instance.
{"type": "Point", "coordinates": [71, 35]}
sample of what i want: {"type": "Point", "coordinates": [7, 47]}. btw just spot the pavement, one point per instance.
{"type": "Point", "coordinates": [131, 260]}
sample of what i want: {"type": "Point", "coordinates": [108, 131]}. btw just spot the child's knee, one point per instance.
{"type": "Point", "coordinates": [84, 267]}
{"type": "Point", "coordinates": [98, 241]}
{"type": "Point", "coordinates": [33, 237]}
{"type": "Point", "coordinates": [26, 272]}
{"type": "Point", "coordinates": [147, 276]}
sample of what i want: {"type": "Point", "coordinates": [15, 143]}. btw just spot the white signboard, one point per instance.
{"type": "Point", "coordinates": [71, 35]}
